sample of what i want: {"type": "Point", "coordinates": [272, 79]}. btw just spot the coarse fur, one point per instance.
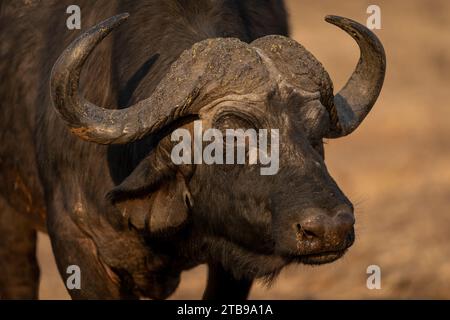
{"type": "Point", "coordinates": [59, 182]}
{"type": "Point", "coordinates": [124, 213]}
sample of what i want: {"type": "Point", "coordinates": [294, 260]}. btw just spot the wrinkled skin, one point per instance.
{"type": "Point", "coordinates": [159, 219]}
{"type": "Point", "coordinates": [296, 215]}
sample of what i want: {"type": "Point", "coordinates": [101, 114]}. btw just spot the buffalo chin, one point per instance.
{"type": "Point", "coordinates": [269, 272]}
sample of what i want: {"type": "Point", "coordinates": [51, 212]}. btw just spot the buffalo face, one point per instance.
{"type": "Point", "coordinates": [253, 224]}
{"type": "Point", "coordinates": [297, 214]}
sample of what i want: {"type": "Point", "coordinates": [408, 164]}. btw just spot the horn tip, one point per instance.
{"type": "Point", "coordinates": [115, 21]}
{"type": "Point", "coordinates": [337, 20]}
{"type": "Point", "coordinates": [123, 16]}
{"type": "Point", "coordinates": [331, 18]}
{"type": "Point", "coordinates": [118, 19]}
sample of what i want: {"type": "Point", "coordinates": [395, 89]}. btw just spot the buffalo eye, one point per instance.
{"type": "Point", "coordinates": [233, 121]}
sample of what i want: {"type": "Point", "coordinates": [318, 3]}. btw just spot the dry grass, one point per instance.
{"type": "Point", "coordinates": [396, 167]}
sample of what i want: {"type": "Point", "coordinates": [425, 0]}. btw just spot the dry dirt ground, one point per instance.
{"type": "Point", "coordinates": [396, 167]}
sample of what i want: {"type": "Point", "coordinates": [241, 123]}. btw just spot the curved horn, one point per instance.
{"type": "Point", "coordinates": [109, 126]}
{"type": "Point", "coordinates": [356, 99]}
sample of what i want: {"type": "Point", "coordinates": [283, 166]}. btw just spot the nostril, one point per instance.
{"type": "Point", "coordinates": [309, 234]}
{"type": "Point", "coordinates": [305, 233]}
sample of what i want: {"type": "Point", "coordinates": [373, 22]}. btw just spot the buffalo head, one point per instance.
{"type": "Point", "coordinates": [250, 222]}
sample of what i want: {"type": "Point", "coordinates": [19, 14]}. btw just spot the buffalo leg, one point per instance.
{"type": "Point", "coordinates": [19, 271]}
{"type": "Point", "coordinates": [72, 247]}
{"type": "Point", "coordinates": [223, 286]}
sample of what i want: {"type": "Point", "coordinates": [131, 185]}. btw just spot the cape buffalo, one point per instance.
{"type": "Point", "coordinates": [85, 144]}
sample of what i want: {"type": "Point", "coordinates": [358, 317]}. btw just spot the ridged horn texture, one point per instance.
{"type": "Point", "coordinates": [352, 104]}
{"type": "Point", "coordinates": [110, 126]}
{"type": "Point", "coordinates": [120, 126]}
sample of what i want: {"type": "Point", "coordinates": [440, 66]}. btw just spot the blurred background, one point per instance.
{"type": "Point", "coordinates": [395, 168]}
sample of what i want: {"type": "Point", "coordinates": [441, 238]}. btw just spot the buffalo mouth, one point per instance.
{"type": "Point", "coordinates": [325, 256]}
{"type": "Point", "coordinates": [319, 258]}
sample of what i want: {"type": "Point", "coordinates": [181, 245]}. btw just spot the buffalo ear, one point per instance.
{"type": "Point", "coordinates": [170, 207]}
{"type": "Point", "coordinates": [152, 199]}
